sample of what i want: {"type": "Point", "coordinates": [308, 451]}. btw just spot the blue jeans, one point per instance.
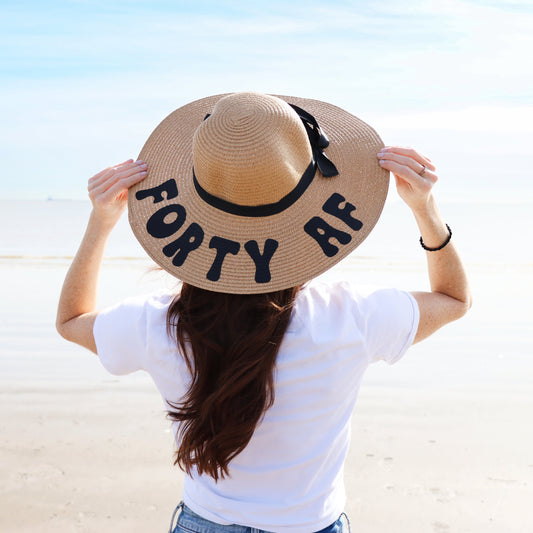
{"type": "Point", "coordinates": [190, 522]}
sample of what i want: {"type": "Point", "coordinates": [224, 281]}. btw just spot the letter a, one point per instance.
{"type": "Point", "coordinates": [322, 232]}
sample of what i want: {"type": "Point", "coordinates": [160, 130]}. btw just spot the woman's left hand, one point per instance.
{"type": "Point", "coordinates": [108, 190]}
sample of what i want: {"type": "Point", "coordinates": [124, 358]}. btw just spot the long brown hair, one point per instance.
{"type": "Point", "coordinates": [230, 343]}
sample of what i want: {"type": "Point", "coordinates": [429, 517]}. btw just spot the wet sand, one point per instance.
{"type": "Point", "coordinates": [442, 441]}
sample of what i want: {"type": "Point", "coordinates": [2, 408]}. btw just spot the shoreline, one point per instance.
{"type": "Point", "coordinates": [440, 440]}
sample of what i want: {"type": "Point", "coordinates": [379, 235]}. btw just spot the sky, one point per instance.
{"type": "Point", "coordinates": [83, 83]}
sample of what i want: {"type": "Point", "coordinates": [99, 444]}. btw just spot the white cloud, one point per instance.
{"type": "Point", "coordinates": [488, 119]}
{"type": "Point", "coordinates": [86, 85]}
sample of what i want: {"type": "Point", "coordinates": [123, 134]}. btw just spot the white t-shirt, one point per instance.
{"type": "Point", "coordinates": [289, 478]}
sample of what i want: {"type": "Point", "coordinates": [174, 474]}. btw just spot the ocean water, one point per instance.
{"type": "Point", "coordinates": [491, 347]}
{"type": "Point", "coordinates": [485, 231]}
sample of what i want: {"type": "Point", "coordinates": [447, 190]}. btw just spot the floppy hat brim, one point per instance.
{"type": "Point", "coordinates": [300, 252]}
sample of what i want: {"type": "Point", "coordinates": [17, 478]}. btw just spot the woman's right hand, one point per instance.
{"type": "Point", "coordinates": [414, 174]}
{"type": "Point", "coordinates": [450, 296]}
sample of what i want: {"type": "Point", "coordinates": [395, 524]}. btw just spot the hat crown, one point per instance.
{"type": "Point", "coordinates": [252, 150]}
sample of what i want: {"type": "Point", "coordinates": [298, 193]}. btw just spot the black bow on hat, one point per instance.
{"type": "Point", "coordinates": [318, 141]}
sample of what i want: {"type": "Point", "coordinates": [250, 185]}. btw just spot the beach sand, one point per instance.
{"type": "Point", "coordinates": [442, 441]}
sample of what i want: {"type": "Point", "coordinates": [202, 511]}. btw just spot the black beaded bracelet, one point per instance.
{"type": "Point", "coordinates": [441, 246]}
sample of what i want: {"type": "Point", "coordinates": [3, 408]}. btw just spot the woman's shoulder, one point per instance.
{"type": "Point", "coordinates": [150, 304]}
{"type": "Point", "coordinates": [320, 298]}
{"type": "Point", "coordinates": [318, 289]}
{"type": "Point", "coordinates": [342, 295]}
{"type": "Point", "coordinates": [157, 298]}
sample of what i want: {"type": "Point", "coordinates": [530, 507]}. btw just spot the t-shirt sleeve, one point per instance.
{"type": "Point", "coordinates": [389, 319]}
{"type": "Point", "coordinates": [122, 337]}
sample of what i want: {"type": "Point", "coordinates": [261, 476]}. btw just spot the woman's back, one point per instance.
{"type": "Point", "coordinates": [295, 457]}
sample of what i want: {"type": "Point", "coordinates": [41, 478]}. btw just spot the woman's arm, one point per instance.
{"type": "Point", "coordinates": [108, 191]}
{"type": "Point", "coordinates": [450, 296]}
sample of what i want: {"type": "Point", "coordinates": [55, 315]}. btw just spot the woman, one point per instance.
{"type": "Point", "coordinates": [245, 199]}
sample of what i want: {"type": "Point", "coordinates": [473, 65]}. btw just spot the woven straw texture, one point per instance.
{"type": "Point", "coordinates": [264, 177]}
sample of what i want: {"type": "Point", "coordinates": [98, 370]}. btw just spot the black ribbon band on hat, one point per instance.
{"type": "Point", "coordinates": [318, 141]}
{"type": "Point", "coordinates": [258, 210]}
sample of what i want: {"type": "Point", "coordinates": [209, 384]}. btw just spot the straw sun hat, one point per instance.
{"type": "Point", "coordinates": [245, 194]}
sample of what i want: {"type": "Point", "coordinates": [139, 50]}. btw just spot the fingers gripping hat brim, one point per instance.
{"type": "Point", "coordinates": [223, 252]}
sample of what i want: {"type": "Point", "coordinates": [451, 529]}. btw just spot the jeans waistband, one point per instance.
{"type": "Point", "coordinates": [190, 521]}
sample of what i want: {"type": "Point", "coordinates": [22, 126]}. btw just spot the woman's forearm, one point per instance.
{"type": "Point", "coordinates": [78, 295]}
{"type": "Point", "coordinates": [449, 298]}
{"type": "Point", "coordinates": [445, 268]}
{"type": "Point", "coordinates": [108, 191]}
